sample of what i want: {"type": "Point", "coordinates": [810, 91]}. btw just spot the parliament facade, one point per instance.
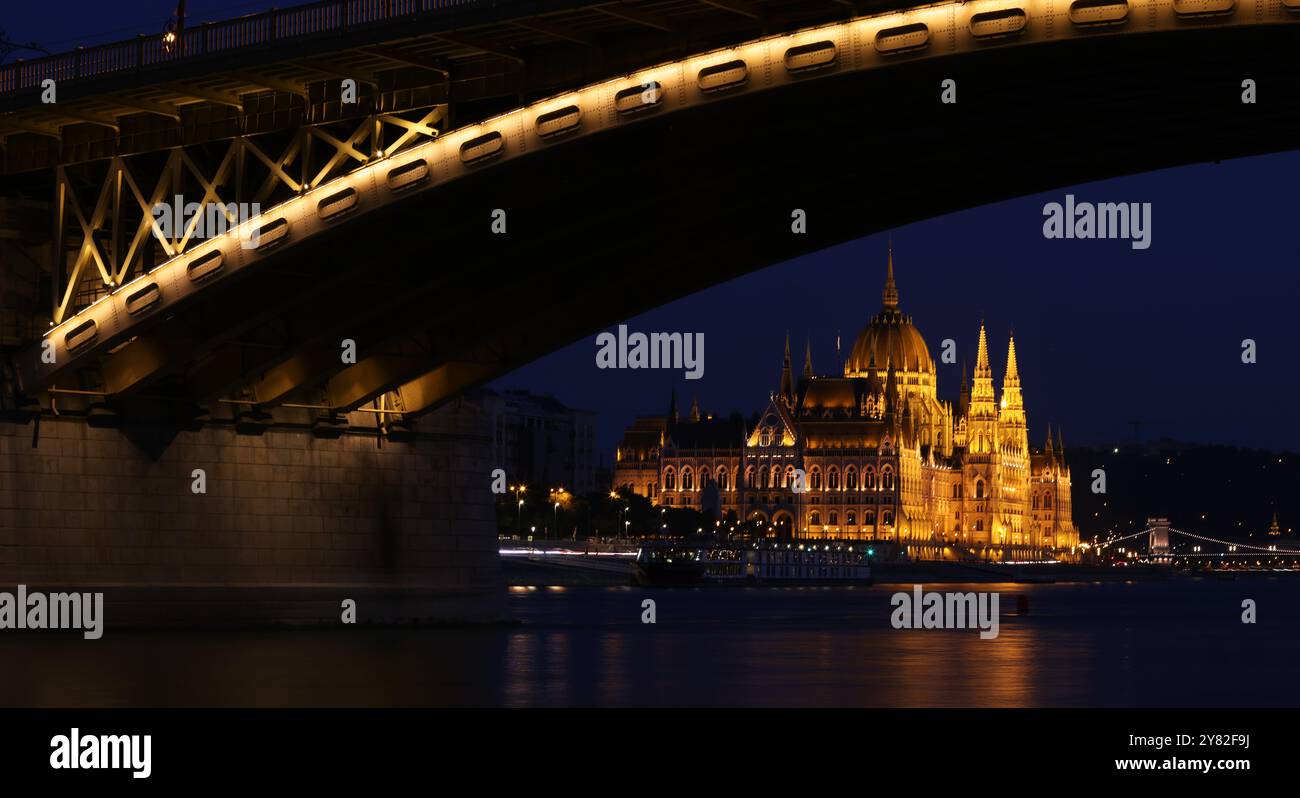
{"type": "Point", "coordinates": [872, 454]}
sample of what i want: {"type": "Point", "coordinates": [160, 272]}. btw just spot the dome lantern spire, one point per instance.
{"type": "Point", "coordinates": [890, 335]}
{"type": "Point", "coordinates": [890, 294]}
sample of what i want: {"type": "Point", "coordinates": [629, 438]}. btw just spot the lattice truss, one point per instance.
{"type": "Point", "coordinates": [105, 230]}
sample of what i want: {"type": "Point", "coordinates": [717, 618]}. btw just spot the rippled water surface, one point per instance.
{"type": "Point", "coordinates": [1162, 643]}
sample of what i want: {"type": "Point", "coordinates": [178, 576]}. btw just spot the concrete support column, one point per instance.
{"type": "Point", "coordinates": [286, 528]}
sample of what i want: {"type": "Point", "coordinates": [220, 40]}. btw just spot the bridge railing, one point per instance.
{"type": "Point", "coordinates": [248, 32]}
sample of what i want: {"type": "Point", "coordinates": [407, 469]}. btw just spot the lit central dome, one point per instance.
{"type": "Point", "coordinates": [891, 338]}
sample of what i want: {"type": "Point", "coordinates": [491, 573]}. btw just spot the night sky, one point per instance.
{"type": "Point", "coordinates": [1105, 334]}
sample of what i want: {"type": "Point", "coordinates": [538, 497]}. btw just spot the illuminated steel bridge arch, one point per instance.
{"type": "Point", "coordinates": [673, 149]}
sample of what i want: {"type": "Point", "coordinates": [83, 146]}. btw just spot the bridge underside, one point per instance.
{"type": "Point", "coordinates": [627, 220]}
{"type": "Point", "coordinates": [283, 69]}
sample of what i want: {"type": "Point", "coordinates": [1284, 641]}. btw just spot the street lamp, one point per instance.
{"type": "Point", "coordinates": [518, 490]}
{"type": "Point", "coordinates": [613, 494]}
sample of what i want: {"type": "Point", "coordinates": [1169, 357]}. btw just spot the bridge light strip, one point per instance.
{"type": "Point", "coordinates": [921, 32]}
{"type": "Point", "coordinates": [1232, 543]}
{"type": "Point", "coordinates": [1201, 537]}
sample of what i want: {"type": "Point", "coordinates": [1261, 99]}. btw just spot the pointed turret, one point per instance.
{"type": "Point", "coordinates": [891, 387]}
{"type": "Point", "coordinates": [695, 408]}
{"type": "Point", "coordinates": [807, 361]}
{"type": "Point", "coordinates": [949, 440]}
{"type": "Point", "coordinates": [963, 396]}
{"type": "Point", "coordinates": [873, 395]}
{"type": "Point", "coordinates": [1012, 401]}
{"type": "Point", "coordinates": [787, 374]}
{"type": "Point", "coordinates": [1013, 433]}
{"type": "Point", "coordinates": [983, 412]}
{"type": "Point", "coordinates": [1047, 448]}
{"type": "Point", "coordinates": [982, 367]}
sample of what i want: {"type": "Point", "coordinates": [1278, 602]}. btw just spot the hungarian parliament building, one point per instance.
{"type": "Point", "coordinates": [872, 454]}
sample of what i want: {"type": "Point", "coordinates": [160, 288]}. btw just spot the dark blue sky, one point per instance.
{"type": "Point", "coordinates": [66, 24]}
{"type": "Point", "coordinates": [1105, 334]}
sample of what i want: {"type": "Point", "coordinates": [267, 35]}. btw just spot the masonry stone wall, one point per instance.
{"type": "Point", "coordinates": [290, 525]}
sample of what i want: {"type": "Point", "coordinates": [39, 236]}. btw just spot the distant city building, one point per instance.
{"type": "Point", "coordinates": [540, 441]}
{"type": "Point", "coordinates": [881, 456]}
{"type": "Point", "coordinates": [1273, 529]}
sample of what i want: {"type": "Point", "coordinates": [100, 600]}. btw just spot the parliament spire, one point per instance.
{"type": "Point", "coordinates": [890, 294]}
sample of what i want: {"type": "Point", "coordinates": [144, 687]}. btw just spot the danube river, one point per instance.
{"type": "Point", "coordinates": [1170, 643]}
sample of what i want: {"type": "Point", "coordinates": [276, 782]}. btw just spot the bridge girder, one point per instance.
{"type": "Point", "coordinates": [736, 7]}
{"type": "Point", "coordinates": [714, 187]}
{"type": "Point", "coordinates": [644, 18]}
{"type": "Point", "coordinates": [120, 201]}
{"type": "Point", "coordinates": [219, 64]}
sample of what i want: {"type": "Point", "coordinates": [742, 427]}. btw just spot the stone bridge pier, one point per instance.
{"type": "Point", "coordinates": [282, 527]}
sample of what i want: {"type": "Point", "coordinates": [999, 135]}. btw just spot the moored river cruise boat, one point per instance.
{"type": "Point", "coordinates": [662, 563]}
